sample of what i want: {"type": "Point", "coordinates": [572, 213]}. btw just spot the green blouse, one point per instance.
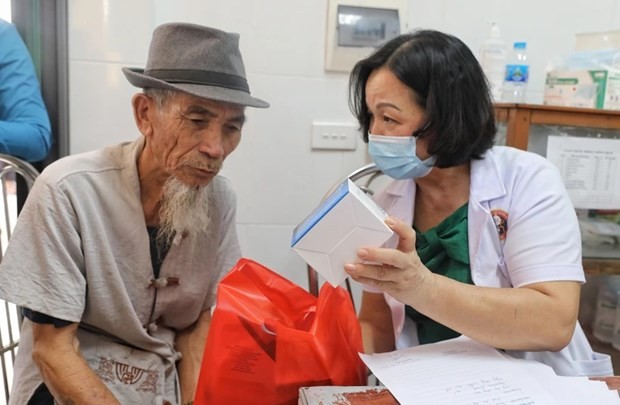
{"type": "Point", "coordinates": [443, 250]}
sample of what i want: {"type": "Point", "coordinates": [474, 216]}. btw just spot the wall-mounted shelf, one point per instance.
{"type": "Point", "coordinates": [520, 120]}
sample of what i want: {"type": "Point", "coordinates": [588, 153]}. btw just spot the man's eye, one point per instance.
{"type": "Point", "coordinates": [231, 129]}
{"type": "Point", "coordinates": [195, 119]}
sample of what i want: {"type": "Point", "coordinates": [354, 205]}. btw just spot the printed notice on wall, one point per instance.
{"type": "Point", "coordinates": [589, 168]}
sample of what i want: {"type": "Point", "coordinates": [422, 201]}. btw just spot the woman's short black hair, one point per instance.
{"type": "Point", "coordinates": [448, 83]}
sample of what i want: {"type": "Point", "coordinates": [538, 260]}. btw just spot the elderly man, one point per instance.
{"type": "Point", "coordinates": [117, 253]}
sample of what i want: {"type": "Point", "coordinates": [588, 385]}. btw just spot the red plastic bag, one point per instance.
{"type": "Point", "coordinates": [269, 337]}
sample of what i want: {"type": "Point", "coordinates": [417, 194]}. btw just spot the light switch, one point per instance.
{"type": "Point", "coordinates": [339, 136]}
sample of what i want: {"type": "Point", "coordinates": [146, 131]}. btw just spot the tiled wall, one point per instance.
{"type": "Point", "coordinates": [278, 178]}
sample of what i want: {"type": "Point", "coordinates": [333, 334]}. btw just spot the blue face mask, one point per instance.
{"type": "Point", "coordinates": [396, 157]}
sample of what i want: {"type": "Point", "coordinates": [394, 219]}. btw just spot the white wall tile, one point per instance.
{"type": "Point", "coordinates": [110, 30]}
{"type": "Point", "coordinates": [100, 104]}
{"type": "Point", "coordinates": [277, 37]}
{"type": "Point", "coordinates": [615, 15]}
{"type": "Point", "coordinates": [426, 14]}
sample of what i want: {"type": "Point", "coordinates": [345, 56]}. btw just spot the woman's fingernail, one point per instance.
{"type": "Point", "coordinates": [390, 222]}
{"type": "Point", "coordinates": [349, 267]}
{"type": "Point", "coordinates": [362, 253]}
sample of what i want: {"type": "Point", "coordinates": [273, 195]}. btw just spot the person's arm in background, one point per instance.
{"type": "Point", "coordinates": [191, 343]}
{"type": "Point", "coordinates": [25, 130]}
{"type": "Point", "coordinates": [376, 322]}
{"type": "Point", "coordinates": [63, 369]}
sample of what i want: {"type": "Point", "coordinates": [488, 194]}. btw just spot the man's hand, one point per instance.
{"type": "Point", "coordinates": [191, 343]}
{"type": "Point", "coordinates": [65, 372]}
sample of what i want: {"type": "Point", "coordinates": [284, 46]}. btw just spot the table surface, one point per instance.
{"type": "Point", "coordinates": [381, 396]}
{"type": "Point", "coordinates": [612, 382]}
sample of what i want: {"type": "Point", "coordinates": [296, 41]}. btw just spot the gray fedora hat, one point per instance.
{"type": "Point", "coordinates": [198, 60]}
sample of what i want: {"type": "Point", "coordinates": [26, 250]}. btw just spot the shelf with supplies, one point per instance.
{"type": "Point", "coordinates": [528, 126]}
{"type": "Point", "coordinates": [520, 117]}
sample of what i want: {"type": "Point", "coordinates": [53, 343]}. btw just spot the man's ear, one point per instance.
{"type": "Point", "coordinates": [143, 113]}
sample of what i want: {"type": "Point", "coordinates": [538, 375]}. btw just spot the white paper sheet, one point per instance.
{"type": "Point", "coordinates": [590, 168]}
{"type": "Point", "coordinates": [569, 390]}
{"type": "Point", "coordinates": [456, 371]}
{"type": "Point", "coordinates": [462, 371]}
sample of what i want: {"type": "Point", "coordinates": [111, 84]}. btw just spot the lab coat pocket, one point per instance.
{"type": "Point", "coordinates": [598, 366]}
{"type": "Point", "coordinates": [576, 359]}
{"type": "Point", "coordinates": [585, 361]}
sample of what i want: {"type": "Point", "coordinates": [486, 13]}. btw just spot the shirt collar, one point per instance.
{"type": "Point", "coordinates": [486, 181]}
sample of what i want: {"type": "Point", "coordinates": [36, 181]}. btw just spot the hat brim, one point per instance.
{"type": "Point", "coordinates": [137, 78]}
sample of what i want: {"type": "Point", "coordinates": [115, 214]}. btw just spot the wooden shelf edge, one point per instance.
{"type": "Point", "coordinates": [601, 266]}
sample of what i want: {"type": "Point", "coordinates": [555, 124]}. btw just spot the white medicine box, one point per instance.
{"type": "Point", "coordinates": [330, 236]}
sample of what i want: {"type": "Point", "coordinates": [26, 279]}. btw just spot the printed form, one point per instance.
{"type": "Point", "coordinates": [590, 168]}
{"type": "Point", "coordinates": [463, 371]}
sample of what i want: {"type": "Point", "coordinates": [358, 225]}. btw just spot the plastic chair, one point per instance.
{"type": "Point", "coordinates": [363, 178]}
{"type": "Point", "coordinates": [11, 169]}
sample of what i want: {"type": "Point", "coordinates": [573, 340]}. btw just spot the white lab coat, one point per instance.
{"type": "Point", "coordinates": [542, 242]}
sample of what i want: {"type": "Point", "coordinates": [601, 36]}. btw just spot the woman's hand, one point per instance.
{"type": "Point", "coordinates": [539, 316]}
{"type": "Point", "coordinates": [399, 272]}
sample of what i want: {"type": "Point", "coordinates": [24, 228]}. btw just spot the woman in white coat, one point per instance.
{"type": "Point", "coordinates": [487, 241]}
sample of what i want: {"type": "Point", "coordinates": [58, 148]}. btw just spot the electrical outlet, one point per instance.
{"type": "Point", "coordinates": [334, 136]}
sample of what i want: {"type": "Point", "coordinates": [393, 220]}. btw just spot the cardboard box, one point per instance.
{"type": "Point", "coordinates": [330, 236]}
{"type": "Point", "coordinates": [596, 88]}
{"type": "Point", "coordinates": [338, 395]}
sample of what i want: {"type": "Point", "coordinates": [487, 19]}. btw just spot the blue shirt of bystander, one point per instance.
{"type": "Point", "coordinates": [25, 129]}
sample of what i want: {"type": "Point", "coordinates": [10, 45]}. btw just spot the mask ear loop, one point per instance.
{"type": "Point", "coordinates": [422, 130]}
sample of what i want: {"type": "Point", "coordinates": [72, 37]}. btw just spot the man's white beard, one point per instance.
{"type": "Point", "coordinates": [183, 209]}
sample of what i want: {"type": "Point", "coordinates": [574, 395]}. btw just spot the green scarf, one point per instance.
{"type": "Point", "coordinates": [443, 250]}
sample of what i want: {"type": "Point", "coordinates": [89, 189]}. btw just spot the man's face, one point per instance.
{"type": "Point", "coordinates": [192, 137]}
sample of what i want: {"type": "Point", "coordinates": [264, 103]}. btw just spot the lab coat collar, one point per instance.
{"type": "Point", "coordinates": [486, 181]}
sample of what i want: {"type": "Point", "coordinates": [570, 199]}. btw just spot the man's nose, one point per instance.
{"type": "Point", "coordinates": [211, 143]}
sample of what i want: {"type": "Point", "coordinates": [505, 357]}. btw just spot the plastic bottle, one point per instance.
{"type": "Point", "coordinates": [605, 318]}
{"type": "Point", "coordinates": [516, 75]}
{"type": "Point", "coordinates": [493, 61]}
